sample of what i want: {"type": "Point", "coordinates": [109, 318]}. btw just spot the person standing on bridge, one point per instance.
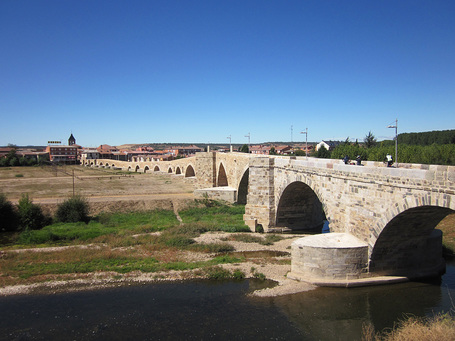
{"type": "Point", "coordinates": [359, 160]}
{"type": "Point", "coordinates": [346, 160]}
{"type": "Point", "coordinates": [389, 160]}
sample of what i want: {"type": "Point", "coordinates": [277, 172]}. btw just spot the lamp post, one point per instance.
{"type": "Point", "coordinates": [230, 143]}
{"type": "Point", "coordinates": [396, 140]}
{"type": "Point", "coordinates": [306, 141]}
{"type": "Point", "coordinates": [249, 135]}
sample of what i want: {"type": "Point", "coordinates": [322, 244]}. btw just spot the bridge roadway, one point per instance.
{"type": "Point", "coordinates": [391, 212]}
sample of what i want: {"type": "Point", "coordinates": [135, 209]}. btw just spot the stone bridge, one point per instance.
{"type": "Point", "coordinates": [382, 220]}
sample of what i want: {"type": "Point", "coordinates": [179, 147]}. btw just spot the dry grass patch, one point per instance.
{"type": "Point", "coordinates": [438, 328]}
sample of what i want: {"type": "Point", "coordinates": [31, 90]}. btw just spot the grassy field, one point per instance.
{"type": "Point", "coordinates": [121, 243]}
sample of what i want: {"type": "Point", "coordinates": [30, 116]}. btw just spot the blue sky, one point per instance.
{"type": "Point", "coordinates": [115, 72]}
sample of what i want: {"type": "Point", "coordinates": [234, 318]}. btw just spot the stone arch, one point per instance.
{"type": "Point", "coordinates": [129, 168]}
{"type": "Point", "coordinates": [169, 170]}
{"type": "Point", "coordinates": [136, 169]}
{"type": "Point", "coordinates": [146, 168]}
{"type": "Point", "coordinates": [409, 245]}
{"type": "Point", "coordinates": [178, 171]}
{"type": "Point", "coordinates": [222, 180]}
{"type": "Point", "coordinates": [299, 208]}
{"type": "Point", "coordinates": [156, 169]}
{"type": "Point", "coordinates": [189, 172]}
{"type": "Point", "coordinates": [242, 191]}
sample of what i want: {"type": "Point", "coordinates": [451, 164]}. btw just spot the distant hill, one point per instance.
{"type": "Point", "coordinates": [428, 138]}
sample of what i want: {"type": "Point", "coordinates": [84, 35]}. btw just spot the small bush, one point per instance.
{"type": "Point", "coordinates": [31, 216]}
{"type": "Point", "coordinates": [217, 273]}
{"type": "Point", "coordinates": [73, 210]}
{"type": "Point", "coordinates": [9, 218]}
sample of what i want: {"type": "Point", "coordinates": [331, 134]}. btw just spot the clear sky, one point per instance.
{"type": "Point", "coordinates": [115, 72]}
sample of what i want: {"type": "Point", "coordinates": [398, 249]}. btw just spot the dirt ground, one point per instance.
{"type": "Point", "coordinates": [105, 189]}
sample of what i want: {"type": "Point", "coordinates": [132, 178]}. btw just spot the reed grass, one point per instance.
{"type": "Point", "coordinates": [437, 328]}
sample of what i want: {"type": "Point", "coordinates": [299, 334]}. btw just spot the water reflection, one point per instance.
{"type": "Point", "coordinates": [339, 314]}
{"type": "Point", "coordinates": [205, 310]}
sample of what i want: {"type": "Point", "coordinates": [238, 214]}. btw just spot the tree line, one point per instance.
{"type": "Point", "coordinates": [422, 148]}
{"type": "Point", "coordinates": [12, 159]}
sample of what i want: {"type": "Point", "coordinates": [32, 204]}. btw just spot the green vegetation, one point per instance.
{"type": "Point", "coordinates": [9, 218]}
{"type": "Point", "coordinates": [428, 138]}
{"type": "Point", "coordinates": [13, 160]}
{"type": "Point", "coordinates": [425, 148]}
{"type": "Point", "coordinates": [72, 210]}
{"type": "Point", "coordinates": [123, 243]}
{"type": "Point", "coordinates": [31, 216]}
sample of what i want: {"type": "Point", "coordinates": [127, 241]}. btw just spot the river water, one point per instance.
{"type": "Point", "coordinates": [207, 310]}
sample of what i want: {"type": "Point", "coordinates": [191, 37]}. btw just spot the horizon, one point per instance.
{"type": "Point", "coordinates": [213, 71]}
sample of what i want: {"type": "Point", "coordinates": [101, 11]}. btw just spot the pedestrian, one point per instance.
{"type": "Point", "coordinates": [389, 160]}
{"type": "Point", "coordinates": [359, 160]}
{"type": "Point", "coordinates": [346, 160]}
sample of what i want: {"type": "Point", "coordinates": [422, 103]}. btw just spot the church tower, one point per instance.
{"type": "Point", "coordinates": [71, 140]}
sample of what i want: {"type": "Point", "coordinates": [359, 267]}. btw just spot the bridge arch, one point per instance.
{"type": "Point", "coordinates": [299, 208]}
{"type": "Point", "coordinates": [242, 191]}
{"type": "Point", "coordinates": [409, 243]}
{"type": "Point", "coordinates": [146, 168]}
{"type": "Point", "coordinates": [189, 172]}
{"type": "Point", "coordinates": [156, 169]}
{"type": "Point", "coordinates": [221, 178]}
{"type": "Point", "coordinates": [136, 169]}
{"type": "Point", "coordinates": [169, 170]}
{"type": "Point", "coordinates": [178, 171]}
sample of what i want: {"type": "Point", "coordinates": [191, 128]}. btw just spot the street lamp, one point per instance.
{"type": "Point", "coordinates": [249, 135]}
{"type": "Point", "coordinates": [306, 141]}
{"type": "Point", "coordinates": [230, 143]}
{"type": "Point", "coordinates": [396, 140]}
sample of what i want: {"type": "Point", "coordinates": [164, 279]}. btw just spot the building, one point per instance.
{"type": "Point", "coordinates": [62, 154]}
{"type": "Point", "coordinates": [329, 145]}
{"type": "Point", "coordinates": [184, 151]}
{"type": "Point", "coordinates": [260, 150]}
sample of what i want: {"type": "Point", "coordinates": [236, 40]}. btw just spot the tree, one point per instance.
{"type": "Point", "coordinates": [73, 210]}
{"type": "Point", "coordinates": [9, 219]}
{"type": "Point", "coordinates": [323, 153]}
{"type": "Point", "coordinates": [31, 217]}
{"type": "Point", "coordinates": [369, 140]}
{"type": "Point", "coordinates": [244, 149]}
{"type": "Point", "coordinates": [272, 151]}
{"type": "Point", "coordinates": [299, 152]}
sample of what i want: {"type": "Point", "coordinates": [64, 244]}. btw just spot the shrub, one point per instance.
{"type": "Point", "coordinates": [9, 218]}
{"type": "Point", "coordinates": [31, 216]}
{"type": "Point", "coordinates": [73, 210]}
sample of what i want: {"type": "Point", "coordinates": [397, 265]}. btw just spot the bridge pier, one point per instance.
{"type": "Point", "coordinates": [260, 208]}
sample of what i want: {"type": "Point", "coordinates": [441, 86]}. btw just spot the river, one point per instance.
{"type": "Point", "coordinates": [206, 310]}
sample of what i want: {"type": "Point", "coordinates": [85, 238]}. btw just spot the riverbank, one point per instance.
{"type": "Point", "coordinates": [271, 262]}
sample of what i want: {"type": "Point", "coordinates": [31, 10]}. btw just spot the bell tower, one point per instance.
{"type": "Point", "coordinates": [71, 140]}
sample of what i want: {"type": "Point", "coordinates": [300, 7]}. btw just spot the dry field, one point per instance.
{"type": "Point", "coordinates": [108, 190]}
